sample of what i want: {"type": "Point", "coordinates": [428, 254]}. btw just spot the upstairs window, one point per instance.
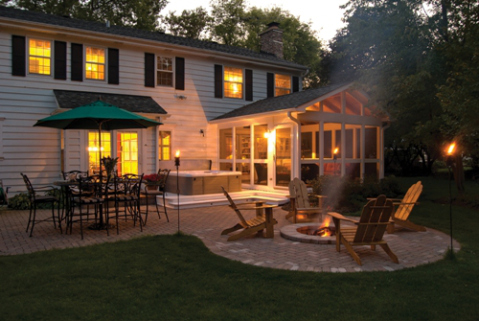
{"type": "Point", "coordinates": [39, 57]}
{"type": "Point", "coordinates": [282, 85]}
{"type": "Point", "coordinates": [233, 82]}
{"type": "Point", "coordinates": [95, 63]}
{"type": "Point", "coordinates": [164, 71]}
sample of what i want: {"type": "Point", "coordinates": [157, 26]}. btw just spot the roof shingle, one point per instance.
{"type": "Point", "coordinates": [66, 22]}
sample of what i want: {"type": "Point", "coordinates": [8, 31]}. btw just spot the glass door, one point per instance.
{"type": "Point", "coordinates": [127, 153]}
{"type": "Point", "coordinates": [283, 156]}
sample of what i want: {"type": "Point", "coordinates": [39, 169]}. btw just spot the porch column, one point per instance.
{"type": "Point", "coordinates": [343, 149]}
{"type": "Point", "coordinates": [381, 153]}
{"type": "Point", "coordinates": [363, 151]}
{"type": "Point", "coordinates": [321, 147]}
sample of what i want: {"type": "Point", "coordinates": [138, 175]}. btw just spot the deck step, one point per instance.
{"type": "Point", "coordinates": [194, 201]}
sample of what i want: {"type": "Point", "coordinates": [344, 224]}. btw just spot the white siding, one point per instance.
{"type": "Point", "coordinates": [36, 151]}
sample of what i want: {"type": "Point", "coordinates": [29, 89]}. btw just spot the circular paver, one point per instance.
{"type": "Point", "coordinates": [412, 248]}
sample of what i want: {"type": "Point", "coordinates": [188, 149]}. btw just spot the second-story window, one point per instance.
{"type": "Point", "coordinates": [39, 57]}
{"type": "Point", "coordinates": [233, 82]}
{"type": "Point", "coordinates": [95, 63]}
{"type": "Point", "coordinates": [282, 85]}
{"type": "Point", "coordinates": [164, 71]}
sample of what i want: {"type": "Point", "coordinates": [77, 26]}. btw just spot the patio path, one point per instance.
{"type": "Point", "coordinates": [412, 248]}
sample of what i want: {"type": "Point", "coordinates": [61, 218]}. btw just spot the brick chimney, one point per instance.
{"type": "Point", "coordinates": [272, 40]}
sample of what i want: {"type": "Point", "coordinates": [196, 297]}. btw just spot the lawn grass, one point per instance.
{"type": "Point", "coordinates": [175, 277]}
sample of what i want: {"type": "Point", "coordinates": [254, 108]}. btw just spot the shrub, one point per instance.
{"type": "Point", "coordinates": [22, 202]}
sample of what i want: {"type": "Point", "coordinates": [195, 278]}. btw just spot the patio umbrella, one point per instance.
{"type": "Point", "coordinates": [98, 116]}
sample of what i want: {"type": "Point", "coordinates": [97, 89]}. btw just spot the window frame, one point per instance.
{"type": "Point", "coordinates": [226, 82]}
{"type": "Point", "coordinates": [157, 70]}
{"type": "Point", "coordinates": [29, 56]}
{"type": "Point", "coordinates": [162, 146]}
{"type": "Point", "coordinates": [86, 62]}
{"type": "Point", "coordinates": [276, 87]}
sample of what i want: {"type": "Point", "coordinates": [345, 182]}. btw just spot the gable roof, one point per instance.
{"type": "Point", "coordinates": [133, 103]}
{"type": "Point", "coordinates": [285, 102]}
{"type": "Point", "coordinates": [71, 23]}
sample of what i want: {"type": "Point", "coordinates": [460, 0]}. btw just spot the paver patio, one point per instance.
{"type": "Point", "coordinates": [412, 248]}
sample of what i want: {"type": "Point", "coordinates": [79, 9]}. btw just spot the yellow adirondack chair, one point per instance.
{"type": "Point", "coordinates": [404, 207]}
{"type": "Point", "coordinates": [370, 228]}
{"type": "Point", "coordinates": [252, 226]}
{"type": "Point", "coordinates": [299, 200]}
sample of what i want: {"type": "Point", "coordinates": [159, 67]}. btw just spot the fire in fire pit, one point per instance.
{"type": "Point", "coordinates": [322, 231]}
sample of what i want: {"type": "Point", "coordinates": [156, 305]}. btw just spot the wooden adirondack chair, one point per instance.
{"type": "Point", "coordinates": [299, 200]}
{"type": "Point", "coordinates": [370, 228]}
{"type": "Point", "coordinates": [252, 226]}
{"type": "Point", "coordinates": [404, 207]}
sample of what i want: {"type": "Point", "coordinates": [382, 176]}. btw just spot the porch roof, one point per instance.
{"type": "Point", "coordinates": [137, 104]}
{"type": "Point", "coordinates": [283, 103]}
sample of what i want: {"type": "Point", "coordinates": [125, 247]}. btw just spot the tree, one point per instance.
{"type": "Point", "coordinates": [141, 14]}
{"type": "Point", "coordinates": [190, 24]}
{"type": "Point", "coordinates": [228, 21]}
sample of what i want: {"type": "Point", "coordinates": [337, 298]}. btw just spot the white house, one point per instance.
{"type": "Point", "coordinates": [216, 102]}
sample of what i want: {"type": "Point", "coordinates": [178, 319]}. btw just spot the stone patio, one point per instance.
{"type": "Point", "coordinates": [206, 223]}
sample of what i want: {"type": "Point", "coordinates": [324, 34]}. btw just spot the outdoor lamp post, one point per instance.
{"type": "Point", "coordinates": [449, 162]}
{"type": "Point", "coordinates": [177, 164]}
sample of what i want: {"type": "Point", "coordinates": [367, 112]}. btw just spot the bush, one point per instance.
{"type": "Point", "coordinates": [348, 195]}
{"type": "Point", "coordinates": [22, 202]}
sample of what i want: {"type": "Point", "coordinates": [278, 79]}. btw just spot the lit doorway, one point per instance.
{"type": "Point", "coordinates": [127, 153]}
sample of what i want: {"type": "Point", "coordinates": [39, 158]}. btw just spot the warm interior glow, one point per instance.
{"type": "Point", "coordinates": [451, 148]}
{"type": "Point", "coordinates": [177, 153]}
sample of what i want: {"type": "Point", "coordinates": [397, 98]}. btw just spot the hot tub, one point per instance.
{"type": "Point", "coordinates": [203, 182]}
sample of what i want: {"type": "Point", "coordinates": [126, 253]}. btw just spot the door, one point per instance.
{"type": "Point", "coordinates": [283, 155]}
{"type": "Point", "coordinates": [127, 152]}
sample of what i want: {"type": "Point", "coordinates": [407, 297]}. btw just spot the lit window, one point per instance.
{"type": "Point", "coordinates": [94, 150]}
{"type": "Point", "coordinates": [164, 72]}
{"type": "Point", "coordinates": [95, 63]}
{"type": "Point", "coordinates": [164, 147]}
{"type": "Point", "coordinates": [282, 85]}
{"type": "Point", "coordinates": [39, 57]}
{"type": "Point", "coordinates": [233, 82]}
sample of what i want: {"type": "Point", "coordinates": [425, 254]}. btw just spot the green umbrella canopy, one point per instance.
{"type": "Point", "coordinates": [98, 115]}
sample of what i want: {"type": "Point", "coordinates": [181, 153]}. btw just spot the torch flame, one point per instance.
{"type": "Point", "coordinates": [336, 150]}
{"type": "Point", "coordinates": [450, 151]}
{"type": "Point", "coordinates": [177, 153]}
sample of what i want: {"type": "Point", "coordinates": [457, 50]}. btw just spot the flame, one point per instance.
{"type": "Point", "coordinates": [177, 153]}
{"type": "Point", "coordinates": [336, 150]}
{"type": "Point", "coordinates": [451, 148]}
{"type": "Point", "coordinates": [326, 222]}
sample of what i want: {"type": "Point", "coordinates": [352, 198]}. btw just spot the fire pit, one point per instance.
{"type": "Point", "coordinates": [309, 233]}
{"type": "Point", "coordinates": [315, 230]}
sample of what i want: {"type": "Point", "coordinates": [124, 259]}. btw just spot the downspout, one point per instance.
{"type": "Point", "coordinates": [297, 156]}
{"type": "Point", "coordinates": [383, 128]}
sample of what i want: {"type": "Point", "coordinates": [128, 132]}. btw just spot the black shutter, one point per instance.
{"type": "Point", "coordinates": [249, 85]}
{"type": "Point", "coordinates": [218, 81]}
{"type": "Point", "coordinates": [295, 84]}
{"type": "Point", "coordinates": [60, 60]}
{"type": "Point", "coordinates": [149, 70]}
{"type": "Point", "coordinates": [180, 73]}
{"type": "Point", "coordinates": [113, 66]}
{"type": "Point", "coordinates": [77, 62]}
{"type": "Point", "coordinates": [19, 53]}
{"type": "Point", "coordinates": [270, 85]}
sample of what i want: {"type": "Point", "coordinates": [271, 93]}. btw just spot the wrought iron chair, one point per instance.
{"type": "Point", "coordinates": [83, 198]}
{"type": "Point", "coordinates": [3, 194]}
{"type": "Point", "coordinates": [39, 195]}
{"type": "Point", "coordinates": [157, 189]}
